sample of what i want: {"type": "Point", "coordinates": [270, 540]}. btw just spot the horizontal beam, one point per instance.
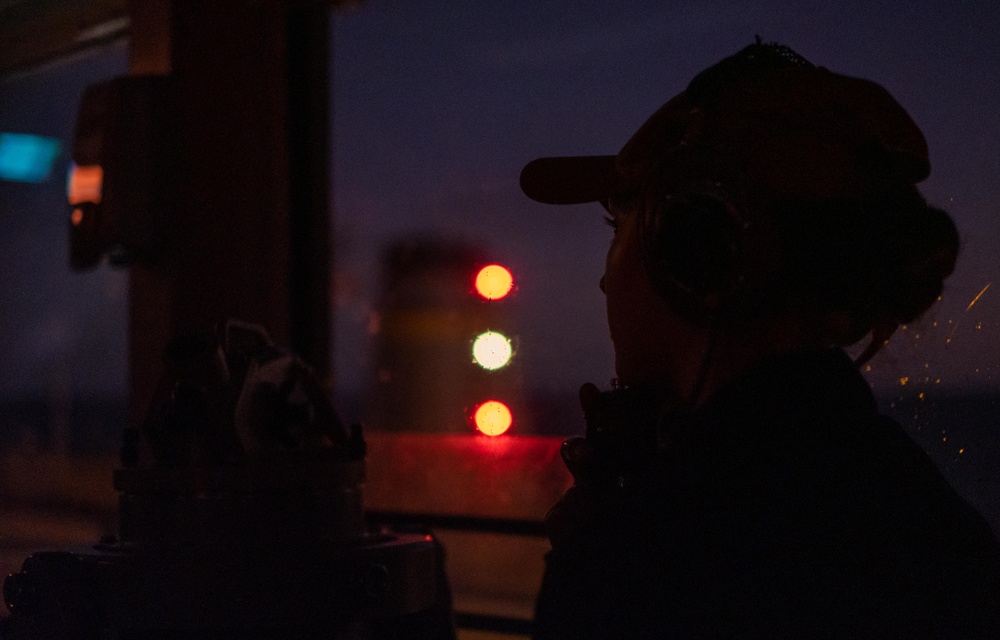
{"type": "Point", "coordinates": [34, 32]}
{"type": "Point", "coordinates": [505, 526]}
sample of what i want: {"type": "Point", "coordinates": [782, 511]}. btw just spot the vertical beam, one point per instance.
{"type": "Point", "coordinates": [309, 152]}
{"type": "Point", "coordinates": [248, 229]}
{"type": "Point", "coordinates": [228, 62]}
{"type": "Point", "coordinates": [151, 287]}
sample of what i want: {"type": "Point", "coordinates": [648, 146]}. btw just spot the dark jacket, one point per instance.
{"type": "Point", "coordinates": [786, 507]}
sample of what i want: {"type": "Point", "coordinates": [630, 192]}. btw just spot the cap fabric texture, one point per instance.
{"type": "Point", "coordinates": [790, 129]}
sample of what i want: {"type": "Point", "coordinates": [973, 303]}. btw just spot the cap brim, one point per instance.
{"type": "Point", "coordinates": [573, 180]}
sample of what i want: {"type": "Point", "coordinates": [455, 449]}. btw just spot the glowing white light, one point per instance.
{"type": "Point", "coordinates": [492, 350]}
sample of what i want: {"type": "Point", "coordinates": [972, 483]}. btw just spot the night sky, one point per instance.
{"type": "Point", "coordinates": [61, 333]}
{"type": "Point", "coordinates": [437, 106]}
{"type": "Point", "coordinates": [436, 109]}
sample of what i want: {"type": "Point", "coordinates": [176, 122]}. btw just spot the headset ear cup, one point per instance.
{"type": "Point", "coordinates": [695, 254]}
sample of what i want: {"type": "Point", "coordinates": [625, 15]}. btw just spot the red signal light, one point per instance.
{"type": "Point", "coordinates": [492, 418]}
{"type": "Point", "coordinates": [494, 282]}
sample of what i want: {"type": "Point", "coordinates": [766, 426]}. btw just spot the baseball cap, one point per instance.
{"type": "Point", "coordinates": [791, 129]}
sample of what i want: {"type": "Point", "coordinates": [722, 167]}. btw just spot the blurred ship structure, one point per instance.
{"type": "Point", "coordinates": [427, 378]}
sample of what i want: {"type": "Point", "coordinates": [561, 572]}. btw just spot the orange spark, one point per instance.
{"type": "Point", "coordinates": [978, 296]}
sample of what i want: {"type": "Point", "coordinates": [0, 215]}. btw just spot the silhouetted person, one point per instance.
{"type": "Point", "coordinates": [742, 483]}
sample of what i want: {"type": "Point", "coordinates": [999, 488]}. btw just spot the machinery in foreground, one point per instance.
{"type": "Point", "coordinates": [241, 516]}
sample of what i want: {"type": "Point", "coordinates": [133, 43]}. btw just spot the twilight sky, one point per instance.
{"type": "Point", "coordinates": [437, 106]}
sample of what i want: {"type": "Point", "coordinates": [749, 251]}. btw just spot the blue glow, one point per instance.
{"type": "Point", "coordinates": [26, 158]}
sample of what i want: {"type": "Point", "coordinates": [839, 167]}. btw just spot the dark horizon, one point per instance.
{"type": "Point", "coordinates": [430, 133]}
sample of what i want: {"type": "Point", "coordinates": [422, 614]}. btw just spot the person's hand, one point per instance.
{"type": "Point", "coordinates": [589, 394]}
{"type": "Point", "coordinates": [574, 508]}
{"type": "Point", "coordinates": [577, 453]}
